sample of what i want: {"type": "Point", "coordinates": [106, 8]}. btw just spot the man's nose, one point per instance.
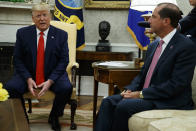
{"type": "Point", "coordinates": [42, 17]}
{"type": "Point", "coordinates": [149, 20]}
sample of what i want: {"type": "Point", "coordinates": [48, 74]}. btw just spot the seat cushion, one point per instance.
{"type": "Point", "coordinates": [183, 123]}
{"type": "Point", "coordinates": [49, 95]}
{"type": "Point", "coordinates": [140, 121]}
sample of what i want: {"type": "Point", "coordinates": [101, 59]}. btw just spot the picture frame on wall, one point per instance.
{"type": "Point", "coordinates": [107, 4]}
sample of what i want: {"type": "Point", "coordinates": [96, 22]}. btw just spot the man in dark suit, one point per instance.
{"type": "Point", "coordinates": [165, 79]}
{"type": "Point", "coordinates": [188, 23]}
{"type": "Point", "coordinates": [40, 60]}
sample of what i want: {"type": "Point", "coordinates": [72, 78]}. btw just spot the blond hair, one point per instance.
{"type": "Point", "coordinates": [40, 7]}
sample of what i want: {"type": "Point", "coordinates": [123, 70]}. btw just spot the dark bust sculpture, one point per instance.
{"type": "Point", "coordinates": [104, 31]}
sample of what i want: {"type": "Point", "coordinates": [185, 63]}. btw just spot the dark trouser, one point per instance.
{"type": "Point", "coordinates": [59, 103]}
{"type": "Point", "coordinates": [16, 87]}
{"type": "Point", "coordinates": [115, 112]}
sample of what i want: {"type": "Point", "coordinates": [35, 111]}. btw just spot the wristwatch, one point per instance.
{"type": "Point", "coordinates": [141, 95]}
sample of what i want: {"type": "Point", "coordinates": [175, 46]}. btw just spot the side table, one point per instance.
{"type": "Point", "coordinates": [12, 117]}
{"type": "Point", "coordinates": [119, 73]}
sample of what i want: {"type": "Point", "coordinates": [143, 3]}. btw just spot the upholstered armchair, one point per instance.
{"type": "Point", "coordinates": [71, 70]}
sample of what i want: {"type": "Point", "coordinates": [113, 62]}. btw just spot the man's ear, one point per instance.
{"type": "Point", "coordinates": [166, 21]}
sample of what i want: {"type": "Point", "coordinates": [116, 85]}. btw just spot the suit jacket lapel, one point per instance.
{"type": "Point", "coordinates": [33, 45]}
{"type": "Point", "coordinates": [167, 52]}
{"type": "Point", "coordinates": [149, 60]}
{"type": "Point", "coordinates": [49, 45]}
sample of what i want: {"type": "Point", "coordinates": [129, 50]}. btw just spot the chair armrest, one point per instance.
{"type": "Point", "coordinates": [75, 64]}
{"type": "Point", "coordinates": [70, 65]}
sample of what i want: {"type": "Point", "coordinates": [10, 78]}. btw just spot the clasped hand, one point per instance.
{"type": "Point", "coordinates": [44, 87]}
{"type": "Point", "coordinates": [130, 94]}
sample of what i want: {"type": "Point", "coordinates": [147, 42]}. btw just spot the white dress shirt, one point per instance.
{"type": "Point", "coordinates": [45, 36]}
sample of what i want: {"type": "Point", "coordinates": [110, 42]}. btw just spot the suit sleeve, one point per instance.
{"type": "Point", "coordinates": [181, 75]}
{"type": "Point", "coordinates": [136, 84]}
{"type": "Point", "coordinates": [18, 57]}
{"type": "Point", "coordinates": [188, 22]}
{"type": "Point", "coordinates": [63, 59]}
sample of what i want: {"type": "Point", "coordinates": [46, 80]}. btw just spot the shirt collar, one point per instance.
{"type": "Point", "coordinates": [45, 32]}
{"type": "Point", "coordinates": [168, 37]}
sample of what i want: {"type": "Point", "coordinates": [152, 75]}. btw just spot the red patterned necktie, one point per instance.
{"type": "Point", "coordinates": [40, 60]}
{"type": "Point", "coordinates": [153, 64]}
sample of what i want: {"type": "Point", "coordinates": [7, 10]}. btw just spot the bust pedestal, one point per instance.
{"type": "Point", "coordinates": [103, 46]}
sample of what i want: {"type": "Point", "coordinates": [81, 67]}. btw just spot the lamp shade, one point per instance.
{"type": "Point", "coordinates": [148, 5]}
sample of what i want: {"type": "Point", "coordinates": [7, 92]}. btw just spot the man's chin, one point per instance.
{"type": "Point", "coordinates": [43, 28]}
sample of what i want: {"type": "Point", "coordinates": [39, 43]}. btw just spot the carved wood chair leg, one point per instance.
{"type": "Point", "coordinates": [30, 106]}
{"type": "Point", "coordinates": [79, 82]}
{"type": "Point", "coordinates": [23, 105]}
{"type": "Point", "coordinates": [73, 104]}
